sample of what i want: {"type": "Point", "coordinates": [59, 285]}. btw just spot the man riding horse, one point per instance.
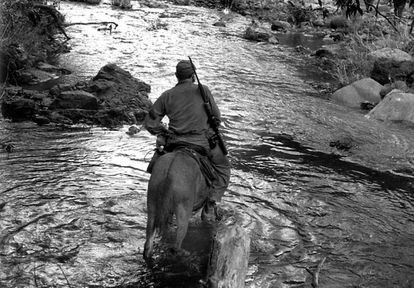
{"type": "Point", "coordinates": [191, 126]}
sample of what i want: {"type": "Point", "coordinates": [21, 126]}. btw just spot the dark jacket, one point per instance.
{"type": "Point", "coordinates": [184, 107]}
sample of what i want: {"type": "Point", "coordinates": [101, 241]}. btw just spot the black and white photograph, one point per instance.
{"type": "Point", "coordinates": [207, 143]}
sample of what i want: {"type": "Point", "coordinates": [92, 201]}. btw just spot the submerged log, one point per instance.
{"type": "Point", "coordinates": [229, 257]}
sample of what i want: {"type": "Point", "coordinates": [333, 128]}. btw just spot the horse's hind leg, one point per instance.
{"type": "Point", "coordinates": [183, 214]}
{"type": "Point", "coordinates": [150, 235]}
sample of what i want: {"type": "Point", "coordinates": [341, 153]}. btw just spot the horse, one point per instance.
{"type": "Point", "coordinates": [176, 186]}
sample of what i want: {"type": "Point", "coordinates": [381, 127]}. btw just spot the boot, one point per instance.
{"type": "Point", "coordinates": [209, 212]}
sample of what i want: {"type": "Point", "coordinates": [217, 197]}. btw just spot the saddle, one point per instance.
{"type": "Point", "coordinates": [198, 153]}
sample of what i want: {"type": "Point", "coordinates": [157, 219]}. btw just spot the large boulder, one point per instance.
{"type": "Point", "coordinates": [116, 87]}
{"type": "Point", "coordinates": [18, 109]}
{"type": "Point", "coordinates": [392, 54]}
{"type": "Point", "coordinates": [256, 34]}
{"type": "Point", "coordinates": [280, 26]}
{"type": "Point", "coordinates": [391, 65]}
{"type": "Point", "coordinates": [386, 71]}
{"type": "Point", "coordinates": [396, 106]}
{"type": "Point", "coordinates": [400, 85]}
{"type": "Point", "coordinates": [77, 99]}
{"type": "Point", "coordinates": [259, 34]}
{"type": "Point", "coordinates": [122, 99]}
{"type": "Point", "coordinates": [364, 90]}
{"type": "Point", "coordinates": [112, 98]}
{"type": "Point", "coordinates": [21, 104]}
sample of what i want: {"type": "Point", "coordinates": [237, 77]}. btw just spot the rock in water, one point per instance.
{"type": "Point", "coordinates": [229, 257]}
{"type": "Point", "coordinates": [220, 24]}
{"type": "Point", "coordinates": [41, 120]}
{"type": "Point", "coordinates": [77, 99]}
{"type": "Point", "coordinates": [19, 109]}
{"type": "Point", "coordinates": [396, 106]}
{"type": "Point", "coordinates": [391, 64]}
{"type": "Point", "coordinates": [133, 130]}
{"type": "Point", "coordinates": [358, 92]}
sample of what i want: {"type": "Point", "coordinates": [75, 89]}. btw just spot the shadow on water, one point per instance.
{"type": "Point", "coordinates": [282, 146]}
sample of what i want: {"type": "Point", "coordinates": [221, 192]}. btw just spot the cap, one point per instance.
{"type": "Point", "coordinates": [184, 69]}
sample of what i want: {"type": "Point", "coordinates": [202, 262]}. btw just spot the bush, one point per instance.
{"type": "Point", "coordinates": [27, 35]}
{"type": "Point", "coordinates": [366, 36]}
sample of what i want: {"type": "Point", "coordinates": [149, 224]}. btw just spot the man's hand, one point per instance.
{"type": "Point", "coordinates": [160, 142]}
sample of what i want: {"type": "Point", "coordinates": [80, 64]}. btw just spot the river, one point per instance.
{"type": "Point", "coordinates": [72, 201]}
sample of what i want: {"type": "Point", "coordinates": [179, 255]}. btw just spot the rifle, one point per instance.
{"type": "Point", "coordinates": [214, 122]}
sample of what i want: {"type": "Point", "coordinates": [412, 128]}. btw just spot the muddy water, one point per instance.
{"type": "Point", "coordinates": [72, 201]}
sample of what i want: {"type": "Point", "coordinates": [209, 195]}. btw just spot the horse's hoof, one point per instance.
{"type": "Point", "coordinates": [147, 255]}
{"type": "Point", "coordinates": [208, 218]}
{"type": "Point", "coordinates": [149, 261]}
{"type": "Point", "coordinates": [173, 251]}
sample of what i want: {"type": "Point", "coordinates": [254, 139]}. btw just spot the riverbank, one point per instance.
{"type": "Point", "coordinates": [31, 88]}
{"type": "Point", "coordinates": [346, 40]}
{"type": "Point", "coordinates": [332, 48]}
{"type": "Point", "coordinates": [32, 35]}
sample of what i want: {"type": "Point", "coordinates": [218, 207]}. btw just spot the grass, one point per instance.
{"type": "Point", "coordinates": [366, 36]}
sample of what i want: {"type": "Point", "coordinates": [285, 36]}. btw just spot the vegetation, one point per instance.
{"type": "Point", "coordinates": [28, 34]}
{"type": "Point", "coordinates": [370, 30]}
{"type": "Point", "coordinates": [354, 6]}
{"type": "Point", "coordinates": [29, 31]}
{"type": "Point", "coordinates": [354, 63]}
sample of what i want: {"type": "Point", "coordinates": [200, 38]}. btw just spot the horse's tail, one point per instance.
{"type": "Point", "coordinates": [160, 204]}
{"type": "Point", "coordinates": [165, 208]}
{"type": "Point", "coordinates": [160, 194]}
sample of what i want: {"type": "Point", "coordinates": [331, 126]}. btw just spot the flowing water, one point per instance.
{"type": "Point", "coordinates": [72, 201]}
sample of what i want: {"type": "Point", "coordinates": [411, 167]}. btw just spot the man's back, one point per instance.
{"type": "Point", "coordinates": [184, 107]}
